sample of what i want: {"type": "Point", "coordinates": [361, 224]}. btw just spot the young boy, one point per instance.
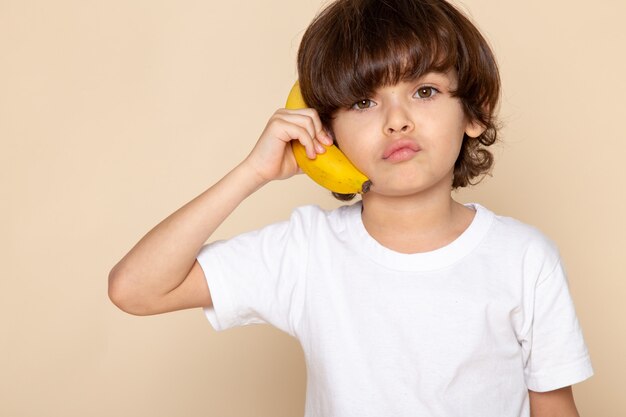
{"type": "Point", "coordinates": [406, 303]}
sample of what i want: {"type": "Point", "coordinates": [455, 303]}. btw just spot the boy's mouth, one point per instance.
{"type": "Point", "coordinates": [401, 150]}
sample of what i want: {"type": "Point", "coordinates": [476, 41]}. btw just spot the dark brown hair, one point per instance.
{"type": "Point", "coordinates": [355, 46]}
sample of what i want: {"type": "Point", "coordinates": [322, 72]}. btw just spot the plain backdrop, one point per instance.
{"type": "Point", "coordinates": [115, 113]}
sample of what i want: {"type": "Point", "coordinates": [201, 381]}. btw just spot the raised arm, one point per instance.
{"type": "Point", "coordinates": [160, 273]}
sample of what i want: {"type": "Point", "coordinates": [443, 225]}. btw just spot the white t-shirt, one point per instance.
{"type": "Point", "coordinates": [464, 330]}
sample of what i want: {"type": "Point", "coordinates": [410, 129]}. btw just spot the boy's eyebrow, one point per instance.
{"type": "Point", "coordinates": [437, 74]}
{"type": "Point", "coordinates": [439, 77]}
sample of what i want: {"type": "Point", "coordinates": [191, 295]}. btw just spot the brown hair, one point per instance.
{"type": "Point", "coordinates": [354, 46]}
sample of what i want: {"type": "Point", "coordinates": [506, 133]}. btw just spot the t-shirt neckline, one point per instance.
{"type": "Point", "coordinates": [423, 261]}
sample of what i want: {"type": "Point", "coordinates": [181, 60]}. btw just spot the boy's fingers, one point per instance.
{"type": "Point", "coordinates": [325, 138]}
{"type": "Point", "coordinates": [310, 119]}
{"type": "Point", "coordinates": [300, 134]}
{"type": "Point", "coordinates": [319, 148]}
{"type": "Point", "coordinates": [309, 133]}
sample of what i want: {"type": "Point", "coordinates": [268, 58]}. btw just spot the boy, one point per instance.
{"type": "Point", "coordinates": [406, 303]}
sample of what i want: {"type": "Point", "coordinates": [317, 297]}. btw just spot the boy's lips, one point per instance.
{"type": "Point", "coordinates": [401, 150]}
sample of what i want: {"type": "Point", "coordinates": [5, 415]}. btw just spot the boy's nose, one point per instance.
{"type": "Point", "coordinates": [398, 119]}
{"type": "Point", "coordinates": [393, 129]}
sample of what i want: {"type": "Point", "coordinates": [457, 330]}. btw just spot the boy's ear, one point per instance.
{"type": "Point", "coordinates": [473, 129]}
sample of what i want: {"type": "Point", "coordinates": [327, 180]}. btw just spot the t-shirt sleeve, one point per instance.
{"type": "Point", "coordinates": [256, 277]}
{"type": "Point", "coordinates": [556, 350]}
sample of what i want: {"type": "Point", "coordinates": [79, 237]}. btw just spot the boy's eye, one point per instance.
{"type": "Point", "coordinates": [362, 104]}
{"type": "Point", "coordinates": [426, 92]}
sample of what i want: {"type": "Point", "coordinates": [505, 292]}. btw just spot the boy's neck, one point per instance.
{"type": "Point", "coordinates": [413, 224]}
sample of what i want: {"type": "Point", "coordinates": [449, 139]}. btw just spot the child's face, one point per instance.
{"type": "Point", "coordinates": [407, 137]}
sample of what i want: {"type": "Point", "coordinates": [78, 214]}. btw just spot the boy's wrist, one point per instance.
{"type": "Point", "coordinates": [251, 175]}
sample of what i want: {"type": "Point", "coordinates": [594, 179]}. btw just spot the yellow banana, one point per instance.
{"type": "Point", "coordinates": [331, 169]}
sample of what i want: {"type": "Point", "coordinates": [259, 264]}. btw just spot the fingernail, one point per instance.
{"type": "Point", "coordinates": [319, 148]}
{"type": "Point", "coordinates": [322, 137]}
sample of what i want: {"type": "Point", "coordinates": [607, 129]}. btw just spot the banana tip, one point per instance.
{"type": "Point", "coordinates": [366, 186]}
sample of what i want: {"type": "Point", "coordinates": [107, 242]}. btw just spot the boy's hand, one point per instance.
{"type": "Point", "coordinates": [272, 158]}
